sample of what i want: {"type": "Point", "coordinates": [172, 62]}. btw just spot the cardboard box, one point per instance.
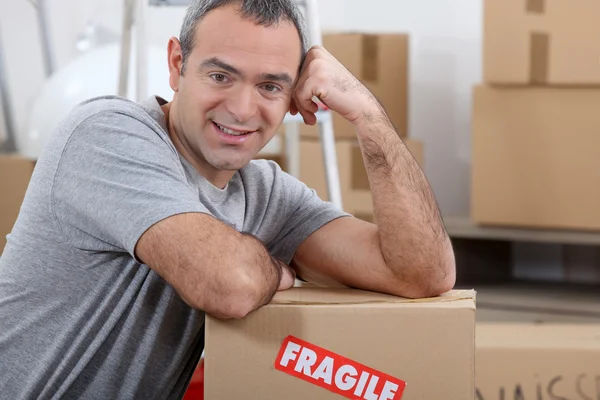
{"type": "Point", "coordinates": [538, 341]}
{"type": "Point", "coordinates": [538, 303]}
{"type": "Point", "coordinates": [15, 173]}
{"type": "Point", "coordinates": [427, 344]}
{"type": "Point", "coordinates": [380, 62]}
{"type": "Point", "coordinates": [542, 42]}
{"type": "Point", "coordinates": [538, 362]}
{"type": "Point", "coordinates": [356, 194]}
{"type": "Point", "coordinates": [535, 157]}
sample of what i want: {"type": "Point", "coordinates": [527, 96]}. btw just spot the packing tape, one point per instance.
{"type": "Point", "coordinates": [536, 6]}
{"type": "Point", "coordinates": [355, 297]}
{"type": "Point", "coordinates": [539, 58]}
{"type": "Point", "coordinates": [370, 60]}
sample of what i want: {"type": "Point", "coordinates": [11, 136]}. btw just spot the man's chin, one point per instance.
{"type": "Point", "coordinates": [230, 165]}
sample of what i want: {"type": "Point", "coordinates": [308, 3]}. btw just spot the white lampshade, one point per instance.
{"type": "Point", "coordinates": [94, 73]}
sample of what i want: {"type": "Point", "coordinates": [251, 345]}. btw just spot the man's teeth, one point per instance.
{"type": "Point", "coordinates": [230, 131]}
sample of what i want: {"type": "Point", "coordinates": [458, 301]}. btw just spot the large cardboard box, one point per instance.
{"type": "Point", "coordinates": [538, 342]}
{"type": "Point", "coordinates": [417, 349]}
{"type": "Point", "coordinates": [538, 362]}
{"type": "Point", "coordinates": [380, 62]}
{"type": "Point", "coordinates": [538, 303]}
{"type": "Point", "coordinates": [15, 173]}
{"type": "Point", "coordinates": [542, 42]}
{"type": "Point", "coordinates": [535, 157]}
{"type": "Point", "coordinates": [354, 183]}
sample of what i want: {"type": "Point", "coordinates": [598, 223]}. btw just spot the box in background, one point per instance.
{"type": "Point", "coordinates": [15, 173]}
{"type": "Point", "coordinates": [537, 341]}
{"type": "Point", "coordinates": [380, 62]}
{"type": "Point", "coordinates": [541, 42]}
{"type": "Point", "coordinates": [356, 194]}
{"type": "Point", "coordinates": [535, 157]}
{"type": "Point", "coordinates": [538, 303]}
{"type": "Point", "coordinates": [528, 361]}
{"type": "Point", "coordinates": [427, 343]}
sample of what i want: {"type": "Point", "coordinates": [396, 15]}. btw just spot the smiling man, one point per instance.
{"type": "Point", "coordinates": [140, 218]}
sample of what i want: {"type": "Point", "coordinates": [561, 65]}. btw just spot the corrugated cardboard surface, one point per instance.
{"type": "Point", "coordinates": [542, 42]}
{"type": "Point", "coordinates": [538, 303]}
{"type": "Point", "coordinates": [538, 362]}
{"type": "Point", "coordinates": [15, 173]}
{"type": "Point", "coordinates": [380, 62]}
{"type": "Point", "coordinates": [428, 344]}
{"type": "Point", "coordinates": [538, 341]}
{"type": "Point", "coordinates": [356, 195]}
{"type": "Point", "coordinates": [535, 157]}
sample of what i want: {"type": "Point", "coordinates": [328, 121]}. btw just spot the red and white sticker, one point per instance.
{"type": "Point", "coordinates": [333, 372]}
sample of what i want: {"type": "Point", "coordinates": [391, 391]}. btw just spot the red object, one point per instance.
{"type": "Point", "coordinates": [336, 373]}
{"type": "Point", "coordinates": [195, 390]}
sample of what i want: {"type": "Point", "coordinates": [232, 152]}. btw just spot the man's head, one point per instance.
{"type": "Point", "coordinates": [233, 70]}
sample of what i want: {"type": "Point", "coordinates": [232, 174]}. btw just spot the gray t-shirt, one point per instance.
{"type": "Point", "coordinates": [80, 317]}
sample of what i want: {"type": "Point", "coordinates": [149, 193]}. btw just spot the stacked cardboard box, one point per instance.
{"type": "Point", "coordinates": [15, 172]}
{"type": "Point", "coordinates": [317, 343]}
{"type": "Point", "coordinates": [537, 342]}
{"type": "Point", "coordinates": [380, 62]}
{"type": "Point", "coordinates": [535, 120]}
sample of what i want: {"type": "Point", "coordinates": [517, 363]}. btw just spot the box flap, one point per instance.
{"type": "Point", "coordinates": [524, 335]}
{"type": "Point", "coordinates": [311, 295]}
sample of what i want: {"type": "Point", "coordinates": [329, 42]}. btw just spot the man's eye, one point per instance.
{"type": "Point", "coordinates": [219, 77]}
{"type": "Point", "coordinates": [271, 88]}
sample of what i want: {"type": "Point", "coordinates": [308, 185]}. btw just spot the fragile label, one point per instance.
{"type": "Point", "coordinates": [333, 372]}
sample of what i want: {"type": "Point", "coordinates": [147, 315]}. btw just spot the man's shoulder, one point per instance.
{"type": "Point", "coordinates": [107, 105]}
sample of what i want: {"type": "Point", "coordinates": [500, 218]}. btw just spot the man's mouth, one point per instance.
{"type": "Point", "coordinates": [231, 132]}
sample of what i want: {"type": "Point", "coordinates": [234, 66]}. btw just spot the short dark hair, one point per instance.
{"type": "Point", "coordinates": [262, 12]}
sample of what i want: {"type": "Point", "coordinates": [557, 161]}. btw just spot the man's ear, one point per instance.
{"type": "Point", "coordinates": [293, 107]}
{"type": "Point", "coordinates": [175, 60]}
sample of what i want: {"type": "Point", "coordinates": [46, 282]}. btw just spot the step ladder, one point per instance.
{"type": "Point", "coordinates": [310, 11]}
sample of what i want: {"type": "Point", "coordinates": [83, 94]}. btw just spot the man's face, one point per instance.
{"type": "Point", "coordinates": [236, 88]}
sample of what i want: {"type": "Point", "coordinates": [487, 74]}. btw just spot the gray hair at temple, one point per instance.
{"type": "Point", "coordinates": [262, 12]}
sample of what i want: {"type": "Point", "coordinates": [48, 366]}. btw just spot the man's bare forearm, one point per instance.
{"type": "Point", "coordinates": [412, 235]}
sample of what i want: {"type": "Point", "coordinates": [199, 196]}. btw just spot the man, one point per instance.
{"type": "Point", "coordinates": [141, 217]}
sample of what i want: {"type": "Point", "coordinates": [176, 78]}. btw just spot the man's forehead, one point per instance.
{"type": "Point", "coordinates": [225, 29]}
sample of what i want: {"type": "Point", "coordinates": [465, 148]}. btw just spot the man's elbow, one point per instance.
{"type": "Point", "coordinates": [234, 300]}
{"type": "Point", "coordinates": [429, 278]}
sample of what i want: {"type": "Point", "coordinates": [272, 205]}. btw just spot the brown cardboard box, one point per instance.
{"type": "Point", "coordinates": [380, 62]}
{"type": "Point", "coordinates": [538, 341]}
{"type": "Point", "coordinates": [542, 42]}
{"type": "Point", "coordinates": [535, 157]}
{"type": "Point", "coordinates": [356, 195]}
{"type": "Point", "coordinates": [538, 303]}
{"type": "Point", "coordinates": [15, 172]}
{"type": "Point", "coordinates": [428, 344]}
{"type": "Point", "coordinates": [538, 362]}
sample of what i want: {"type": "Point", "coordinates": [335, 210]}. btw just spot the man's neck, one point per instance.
{"type": "Point", "coordinates": [217, 178]}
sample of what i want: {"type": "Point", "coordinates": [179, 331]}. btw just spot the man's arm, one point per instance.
{"type": "Point", "coordinates": [212, 266]}
{"type": "Point", "coordinates": [408, 252]}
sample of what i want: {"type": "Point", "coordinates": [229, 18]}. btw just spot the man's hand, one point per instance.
{"type": "Point", "coordinates": [324, 77]}
{"type": "Point", "coordinates": [288, 276]}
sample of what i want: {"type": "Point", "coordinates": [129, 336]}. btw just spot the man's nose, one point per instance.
{"type": "Point", "coordinates": [243, 104]}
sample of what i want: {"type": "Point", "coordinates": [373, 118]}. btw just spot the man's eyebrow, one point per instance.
{"type": "Point", "coordinates": [216, 63]}
{"type": "Point", "coordinates": [282, 77]}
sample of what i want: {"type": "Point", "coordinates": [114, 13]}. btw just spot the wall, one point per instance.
{"type": "Point", "coordinates": [445, 62]}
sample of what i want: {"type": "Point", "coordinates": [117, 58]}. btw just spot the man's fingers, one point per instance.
{"type": "Point", "coordinates": [288, 277]}
{"type": "Point", "coordinates": [304, 103]}
{"type": "Point", "coordinates": [293, 107]}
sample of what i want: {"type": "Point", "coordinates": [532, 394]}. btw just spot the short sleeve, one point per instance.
{"type": "Point", "coordinates": [117, 176]}
{"type": "Point", "coordinates": [304, 212]}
